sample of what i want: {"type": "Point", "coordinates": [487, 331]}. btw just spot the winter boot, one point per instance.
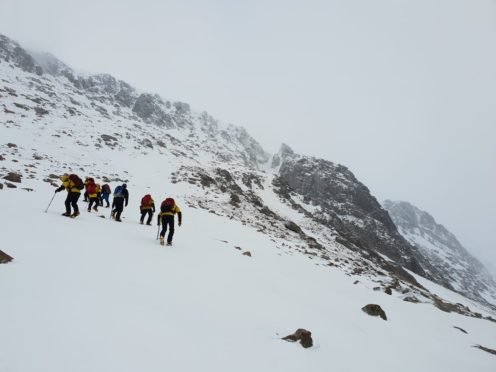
{"type": "Point", "coordinates": [66, 214]}
{"type": "Point", "coordinates": [169, 243]}
{"type": "Point", "coordinates": [161, 240]}
{"type": "Point", "coordinates": [89, 209]}
{"type": "Point", "coordinates": [75, 214]}
{"type": "Point", "coordinates": [141, 222]}
{"type": "Point", "coordinates": [95, 208]}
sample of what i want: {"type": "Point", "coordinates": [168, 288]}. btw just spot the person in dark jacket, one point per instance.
{"type": "Point", "coordinates": [121, 196]}
{"type": "Point", "coordinates": [73, 194]}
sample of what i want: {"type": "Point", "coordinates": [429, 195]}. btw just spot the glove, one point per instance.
{"type": "Point", "coordinates": [56, 191]}
{"type": "Point", "coordinates": [126, 204]}
{"type": "Point", "coordinates": [179, 223]}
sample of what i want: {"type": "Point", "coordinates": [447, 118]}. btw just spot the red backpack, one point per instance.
{"type": "Point", "coordinates": [167, 205]}
{"type": "Point", "coordinates": [91, 188]}
{"type": "Point", "coordinates": [78, 182]}
{"type": "Point", "coordinates": [146, 200]}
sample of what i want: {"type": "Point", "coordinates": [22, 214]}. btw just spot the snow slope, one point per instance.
{"type": "Point", "coordinates": [93, 294]}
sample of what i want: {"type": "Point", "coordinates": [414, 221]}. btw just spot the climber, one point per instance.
{"type": "Point", "coordinates": [168, 209]}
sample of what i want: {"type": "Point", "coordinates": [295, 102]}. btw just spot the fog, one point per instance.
{"type": "Point", "coordinates": [401, 92]}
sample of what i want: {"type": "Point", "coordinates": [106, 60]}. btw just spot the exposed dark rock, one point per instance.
{"type": "Point", "coordinates": [247, 253]}
{"type": "Point", "coordinates": [11, 145]}
{"type": "Point", "coordinates": [411, 299]}
{"type": "Point", "coordinates": [445, 306]}
{"type": "Point", "coordinates": [290, 225]}
{"type": "Point", "coordinates": [388, 291]}
{"type": "Point", "coordinates": [11, 51]}
{"type": "Point", "coordinates": [109, 138]}
{"type": "Point", "coordinates": [40, 111]}
{"type": "Point", "coordinates": [13, 177]}
{"type": "Point", "coordinates": [486, 349]}
{"type": "Point", "coordinates": [461, 329]}
{"type": "Point", "coordinates": [147, 143]}
{"type": "Point", "coordinates": [4, 257]}
{"type": "Point", "coordinates": [234, 200]}
{"type": "Point", "coordinates": [302, 335]}
{"type": "Point", "coordinates": [1, 186]}
{"type": "Point", "coordinates": [21, 106]}
{"type": "Point", "coordinates": [152, 110]}
{"type": "Point", "coordinates": [374, 310]}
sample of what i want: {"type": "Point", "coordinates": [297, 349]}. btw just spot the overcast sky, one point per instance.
{"type": "Point", "coordinates": [402, 92]}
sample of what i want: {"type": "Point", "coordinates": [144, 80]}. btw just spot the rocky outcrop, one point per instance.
{"type": "Point", "coordinates": [346, 205]}
{"type": "Point", "coordinates": [11, 52]}
{"type": "Point", "coordinates": [443, 250]}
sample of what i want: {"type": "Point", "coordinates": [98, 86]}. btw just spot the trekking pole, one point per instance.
{"type": "Point", "coordinates": [158, 231]}
{"type": "Point", "coordinates": [49, 204]}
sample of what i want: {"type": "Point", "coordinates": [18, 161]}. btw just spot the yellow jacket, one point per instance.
{"type": "Point", "coordinates": [69, 185]}
{"type": "Point", "coordinates": [175, 209]}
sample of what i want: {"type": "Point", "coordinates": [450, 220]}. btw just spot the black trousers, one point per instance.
{"type": "Point", "coordinates": [118, 207]}
{"type": "Point", "coordinates": [71, 200]}
{"type": "Point", "coordinates": [93, 200]}
{"type": "Point", "coordinates": [144, 212]}
{"type": "Point", "coordinates": [167, 221]}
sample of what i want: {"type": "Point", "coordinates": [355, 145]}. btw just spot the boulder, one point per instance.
{"type": "Point", "coordinates": [302, 335]}
{"type": "Point", "coordinates": [13, 177]}
{"type": "Point", "coordinates": [4, 257]}
{"type": "Point", "coordinates": [374, 310]}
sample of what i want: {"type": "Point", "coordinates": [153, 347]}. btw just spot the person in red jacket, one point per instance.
{"type": "Point", "coordinates": [147, 207]}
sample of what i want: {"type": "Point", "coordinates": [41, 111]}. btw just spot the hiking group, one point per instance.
{"type": "Point", "coordinates": [95, 195]}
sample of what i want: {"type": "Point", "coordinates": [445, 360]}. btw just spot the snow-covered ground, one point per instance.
{"type": "Point", "coordinates": [91, 294]}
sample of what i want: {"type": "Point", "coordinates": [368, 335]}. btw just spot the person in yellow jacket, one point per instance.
{"type": "Point", "coordinates": [168, 209]}
{"type": "Point", "coordinates": [69, 183]}
{"type": "Point", "coordinates": [92, 189]}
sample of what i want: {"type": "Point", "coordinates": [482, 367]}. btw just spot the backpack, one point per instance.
{"type": "Point", "coordinates": [78, 182]}
{"type": "Point", "coordinates": [146, 200]}
{"type": "Point", "coordinates": [106, 189]}
{"type": "Point", "coordinates": [91, 188]}
{"type": "Point", "coordinates": [167, 205]}
{"type": "Point", "coordinates": [118, 192]}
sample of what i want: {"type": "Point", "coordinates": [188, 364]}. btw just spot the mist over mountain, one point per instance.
{"type": "Point", "coordinates": [56, 120]}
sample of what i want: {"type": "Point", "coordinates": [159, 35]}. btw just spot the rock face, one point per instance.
{"type": "Point", "coordinates": [346, 205]}
{"type": "Point", "coordinates": [443, 250]}
{"type": "Point", "coordinates": [302, 335]}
